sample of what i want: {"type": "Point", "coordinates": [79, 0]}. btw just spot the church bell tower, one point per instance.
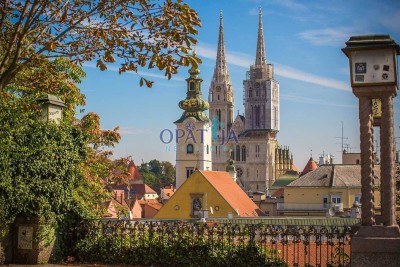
{"type": "Point", "coordinates": [193, 132]}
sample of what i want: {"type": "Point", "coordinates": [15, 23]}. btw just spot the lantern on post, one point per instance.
{"type": "Point", "coordinates": [373, 61]}
{"type": "Point", "coordinates": [373, 74]}
{"type": "Point", "coordinates": [52, 107]}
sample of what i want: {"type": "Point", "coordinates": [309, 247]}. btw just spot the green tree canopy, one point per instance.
{"type": "Point", "coordinates": [140, 33]}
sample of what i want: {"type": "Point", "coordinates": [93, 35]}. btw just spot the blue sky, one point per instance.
{"type": "Point", "coordinates": [303, 41]}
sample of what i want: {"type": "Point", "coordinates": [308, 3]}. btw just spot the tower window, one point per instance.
{"type": "Point", "coordinates": [218, 96]}
{"type": "Point", "coordinates": [243, 153]}
{"type": "Point", "coordinates": [189, 149]}
{"type": "Point", "coordinates": [191, 86]}
{"type": "Point", "coordinates": [250, 93]}
{"type": "Point", "coordinates": [208, 150]}
{"type": "Point", "coordinates": [237, 153]}
{"type": "Point", "coordinates": [189, 172]}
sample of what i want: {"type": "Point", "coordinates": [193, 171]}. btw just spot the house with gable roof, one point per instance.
{"type": "Point", "coordinates": [212, 192]}
{"type": "Point", "coordinates": [327, 190]}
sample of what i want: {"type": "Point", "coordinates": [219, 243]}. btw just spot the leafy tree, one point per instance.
{"type": "Point", "coordinates": [140, 33]}
{"type": "Point", "coordinates": [169, 172]}
{"type": "Point", "coordinates": [157, 174]}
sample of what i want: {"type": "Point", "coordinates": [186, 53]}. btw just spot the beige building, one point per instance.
{"type": "Point", "coordinates": [249, 139]}
{"type": "Point", "coordinates": [327, 189]}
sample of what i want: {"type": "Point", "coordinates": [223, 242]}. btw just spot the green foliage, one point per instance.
{"type": "Point", "coordinates": [157, 174]}
{"type": "Point", "coordinates": [101, 30]}
{"type": "Point", "coordinates": [149, 248]}
{"type": "Point", "coordinates": [39, 163]}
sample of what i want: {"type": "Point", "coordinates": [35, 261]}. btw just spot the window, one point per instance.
{"type": "Point", "coordinates": [357, 198]}
{"type": "Point", "coordinates": [189, 149]}
{"type": "Point", "coordinates": [233, 152]}
{"type": "Point", "coordinates": [325, 201]}
{"type": "Point", "coordinates": [196, 204]}
{"type": "Point", "coordinates": [208, 150]}
{"type": "Point", "coordinates": [250, 93]}
{"type": "Point", "coordinates": [237, 153]}
{"type": "Point", "coordinates": [189, 172]}
{"type": "Point", "coordinates": [243, 153]}
{"type": "Point", "coordinates": [336, 199]}
{"type": "Point", "coordinates": [257, 151]}
{"type": "Point", "coordinates": [191, 86]}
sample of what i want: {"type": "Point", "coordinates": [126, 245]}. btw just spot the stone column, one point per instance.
{"type": "Point", "coordinates": [387, 163]}
{"type": "Point", "coordinates": [367, 177]}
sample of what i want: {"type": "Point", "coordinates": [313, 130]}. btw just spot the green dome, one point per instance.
{"type": "Point", "coordinates": [194, 104]}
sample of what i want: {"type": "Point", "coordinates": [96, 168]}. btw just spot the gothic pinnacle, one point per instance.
{"type": "Point", "coordinates": [260, 53]}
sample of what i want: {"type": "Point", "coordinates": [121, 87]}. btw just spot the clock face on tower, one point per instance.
{"type": "Point", "coordinates": [189, 126]}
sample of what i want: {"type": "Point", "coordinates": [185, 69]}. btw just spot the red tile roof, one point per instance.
{"type": "Point", "coordinates": [310, 166]}
{"type": "Point", "coordinates": [142, 189]}
{"type": "Point", "coordinates": [134, 174]}
{"type": "Point", "coordinates": [279, 193]}
{"type": "Point", "coordinates": [232, 193]}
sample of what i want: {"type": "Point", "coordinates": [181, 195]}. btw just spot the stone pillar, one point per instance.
{"type": "Point", "coordinates": [387, 162]}
{"type": "Point", "coordinates": [367, 175]}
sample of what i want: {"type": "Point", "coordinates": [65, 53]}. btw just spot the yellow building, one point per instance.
{"type": "Point", "coordinates": [208, 192]}
{"type": "Point", "coordinates": [329, 188]}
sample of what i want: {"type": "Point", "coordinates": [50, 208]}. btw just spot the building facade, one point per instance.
{"type": "Point", "coordinates": [249, 139]}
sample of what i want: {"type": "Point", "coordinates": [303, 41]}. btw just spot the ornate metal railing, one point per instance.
{"type": "Point", "coordinates": [173, 243]}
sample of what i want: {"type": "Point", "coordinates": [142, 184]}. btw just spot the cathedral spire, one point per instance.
{"type": "Point", "coordinates": [221, 70]}
{"type": "Point", "coordinates": [260, 53]}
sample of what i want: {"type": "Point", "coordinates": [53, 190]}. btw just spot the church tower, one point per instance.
{"type": "Point", "coordinates": [261, 99]}
{"type": "Point", "coordinates": [221, 101]}
{"type": "Point", "coordinates": [193, 132]}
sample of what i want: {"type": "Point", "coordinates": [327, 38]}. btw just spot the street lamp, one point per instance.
{"type": "Point", "coordinates": [52, 107]}
{"type": "Point", "coordinates": [373, 72]}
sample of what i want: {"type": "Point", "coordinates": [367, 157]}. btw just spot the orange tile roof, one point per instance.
{"type": "Point", "coordinates": [151, 202]}
{"type": "Point", "coordinates": [232, 193]}
{"type": "Point", "coordinates": [168, 191]}
{"type": "Point", "coordinates": [310, 166]}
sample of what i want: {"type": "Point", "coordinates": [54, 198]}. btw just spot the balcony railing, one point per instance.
{"type": "Point", "coordinates": [308, 207]}
{"type": "Point", "coordinates": [174, 243]}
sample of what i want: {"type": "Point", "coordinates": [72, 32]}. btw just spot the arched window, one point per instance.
{"type": "Point", "coordinates": [189, 149]}
{"type": "Point", "coordinates": [243, 153]}
{"type": "Point", "coordinates": [237, 153]}
{"type": "Point", "coordinates": [196, 205]}
{"type": "Point", "coordinates": [233, 152]}
{"type": "Point", "coordinates": [250, 93]}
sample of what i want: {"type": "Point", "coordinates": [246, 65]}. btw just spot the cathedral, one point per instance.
{"type": "Point", "coordinates": [249, 139]}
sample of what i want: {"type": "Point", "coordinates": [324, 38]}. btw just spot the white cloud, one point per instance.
{"type": "Point", "coordinates": [289, 72]}
{"type": "Point", "coordinates": [291, 4]}
{"type": "Point", "coordinates": [129, 130]}
{"type": "Point", "coordinates": [313, 101]}
{"type": "Point", "coordinates": [244, 60]}
{"type": "Point", "coordinates": [141, 73]}
{"type": "Point", "coordinates": [328, 36]}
